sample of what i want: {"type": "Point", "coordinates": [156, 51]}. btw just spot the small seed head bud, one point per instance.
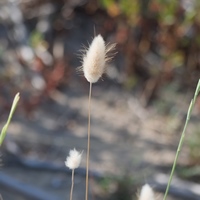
{"type": "Point", "coordinates": [74, 159]}
{"type": "Point", "coordinates": [146, 193]}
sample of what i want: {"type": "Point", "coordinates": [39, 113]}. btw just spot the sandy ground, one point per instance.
{"type": "Point", "coordinates": [125, 138]}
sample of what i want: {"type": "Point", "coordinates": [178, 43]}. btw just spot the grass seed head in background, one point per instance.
{"type": "Point", "coordinates": [74, 159]}
{"type": "Point", "coordinates": [95, 58]}
{"type": "Point", "coordinates": [146, 193]}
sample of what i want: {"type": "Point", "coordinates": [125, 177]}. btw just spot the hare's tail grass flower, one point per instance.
{"type": "Point", "coordinates": [73, 162]}
{"type": "Point", "coordinates": [94, 60]}
{"type": "Point", "coordinates": [74, 159]}
{"type": "Point", "coordinates": [146, 193]}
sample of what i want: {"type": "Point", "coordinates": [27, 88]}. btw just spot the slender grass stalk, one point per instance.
{"type": "Point", "coordinates": [88, 144]}
{"type": "Point", "coordinates": [93, 67]}
{"type": "Point", "coordinates": [72, 186]}
{"type": "Point", "coordinates": [182, 138]}
{"type": "Point", "coordinates": [5, 127]}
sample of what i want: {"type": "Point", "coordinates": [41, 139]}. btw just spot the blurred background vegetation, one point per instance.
{"type": "Point", "coordinates": [158, 43]}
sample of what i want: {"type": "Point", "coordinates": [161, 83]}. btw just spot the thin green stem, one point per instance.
{"type": "Point", "coordinates": [72, 186]}
{"type": "Point", "coordinates": [182, 138]}
{"type": "Point", "coordinates": [88, 144]}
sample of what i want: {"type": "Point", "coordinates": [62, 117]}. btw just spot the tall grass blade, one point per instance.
{"type": "Point", "coordinates": [5, 127]}
{"type": "Point", "coordinates": [182, 138]}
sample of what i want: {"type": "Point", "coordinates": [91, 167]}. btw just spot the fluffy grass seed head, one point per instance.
{"type": "Point", "coordinates": [95, 58]}
{"type": "Point", "coordinates": [146, 193]}
{"type": "Point", "coordinates": [74, 159]}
